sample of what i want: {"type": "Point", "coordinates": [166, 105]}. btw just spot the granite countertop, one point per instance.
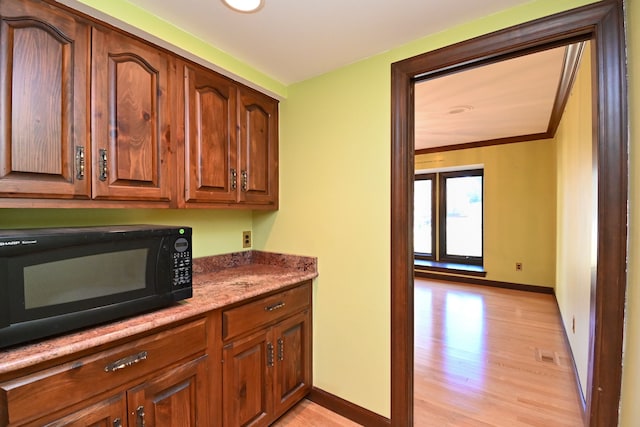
{"type": "Point", "coordinates": [218, 281]}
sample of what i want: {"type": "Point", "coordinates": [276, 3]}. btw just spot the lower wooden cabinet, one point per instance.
{"type": "Point", "coordinates": [176, 398]}
{"type": "Point", "coordinates": [174, 377]}
{"type": "Point", "coordinates": [266, 357]}
{"type": "Point", "coordinates": [159, 380]}
{"type": "Point", "coordinates": [109, 412]}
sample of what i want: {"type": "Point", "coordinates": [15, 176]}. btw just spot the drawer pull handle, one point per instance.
{"type": "Point", "coordinates": [127, 361]}
{"type": "Point", "coordinates": [274, 306]}
{"type": "Point", "coordinates": [117, 422]}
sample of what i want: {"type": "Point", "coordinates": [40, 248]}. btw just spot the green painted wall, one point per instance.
{"type": "Point", "coordinates": [335, 199]}
{"type": "Point", "coordinates": [214, 232]}
{"type": "Point", "coordinates": [519, 207]}
{"type": "Point", "coordinates": [335, 204]}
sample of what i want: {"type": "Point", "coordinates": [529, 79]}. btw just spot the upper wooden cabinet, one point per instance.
{"type": "Point", "coordinates": [44, 99]}
{"type": "Point", "coordinates": [210, 123]}
{"type": "Point", "coordinates": [231, 142]}
{"type": "Point", "coordinates": [130, 118]}
{"type": "Point", "coordinates": [101, 118]}
{"type": "Point", "coordinates": [258, 147]}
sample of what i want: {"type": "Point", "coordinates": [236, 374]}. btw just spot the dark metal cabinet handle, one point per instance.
{"type": "Point", "coordinates": [244, 180]}
{"type": "Point", "coordinates": [140, 416]}
{"type": "Point", "coordinates": [80, 162]}
{"type": "Point", "coordinates": [102, 161]}
{"type": "Point", "coordinates": [280, 349]}
{"type": "Point", "coordinates": [126, 361]}
{"type": "Point", "coordinates": [117, 422]}
{"type": "Point", "coordinates": [275, 306]}
{"type": "Point", "coordinates": [269, 355]}
{"type": "Point", "coordinates": [234, 179]}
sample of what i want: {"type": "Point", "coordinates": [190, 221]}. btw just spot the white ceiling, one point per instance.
{"type": "Point", "coordinates": [294, 40]}
{"type": "Point", "coordinates": [506, 99]}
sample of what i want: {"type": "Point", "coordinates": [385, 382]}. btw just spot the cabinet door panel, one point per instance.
{"type": "Point", "coordinates": [247, 383]}
{"type": "Point", "coordinates": [210, 133]}
{"type": "Point", "coordinates": [293, 354]}
{"type": "Point", "coordinates": [110, 412]}
{"type": "Point", "coordinates": [177, 398]}
{"type": "Point", "coordinates": [258, 148]}
{"type": "Point", "coordinates": [43, 101]}
{"type": "Point", "coordinates": [131, 119]}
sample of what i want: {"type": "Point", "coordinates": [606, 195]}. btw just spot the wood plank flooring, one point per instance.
{"type": "Point", "coordinates": [490, 357]}
{"type": "Point", "coordinates": [483, 357]}
{"type": "Point", "coordinates": [309, 414]}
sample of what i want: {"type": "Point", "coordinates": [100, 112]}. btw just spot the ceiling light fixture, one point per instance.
{"type": "Point", "coordinates": [244, 6]}
{"type": "Point", "coordinates": [459, 109]}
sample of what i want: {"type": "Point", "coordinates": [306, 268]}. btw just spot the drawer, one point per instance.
{"type": "Point", "coordinates": [264, 311]}
{"type": "Point", "coordinates": [52, 389]}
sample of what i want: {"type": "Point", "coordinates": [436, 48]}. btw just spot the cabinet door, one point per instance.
{"type": "Point", "coordinates": [258, 148]}
{"type": "Point", "coordinates": [247, 382]}
{"type": "Point", "coordinates": [130, 133]}
{"type": "Point", "coordinates": [111, 412]}
{"type": "Point", "coordinates": [175, 399]}
{"type": "Point", "coordinates": [44, 63]}
{"type": "Point", "coordinates": [211, 173]}
{"type": "Point", "coordinates": [293, 365]}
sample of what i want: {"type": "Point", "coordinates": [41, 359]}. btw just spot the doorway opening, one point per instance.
{"type": "Point", "coordinates": [603, 24]}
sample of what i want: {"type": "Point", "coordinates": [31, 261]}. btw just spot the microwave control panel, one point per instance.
{"type": "Point", "coordinates": [181, 263]}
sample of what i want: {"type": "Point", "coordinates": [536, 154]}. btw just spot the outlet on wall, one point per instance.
{"type": "Point", "coordinates": [518, 266]}
{"type": "Point", "coordinates": [246, 239]}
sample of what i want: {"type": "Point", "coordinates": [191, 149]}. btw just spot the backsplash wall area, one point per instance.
{"type": "Point", "coordinates": [214, 231]}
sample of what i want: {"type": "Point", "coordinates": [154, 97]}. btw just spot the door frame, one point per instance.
{"type": "Point", "coordinates": [603, 23]}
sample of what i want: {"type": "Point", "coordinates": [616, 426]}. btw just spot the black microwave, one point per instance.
{"type": "Point", "coordinates": [56, 280]}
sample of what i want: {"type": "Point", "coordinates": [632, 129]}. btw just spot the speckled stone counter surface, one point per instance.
{"type": "Point", "coordinates": [218, 281]}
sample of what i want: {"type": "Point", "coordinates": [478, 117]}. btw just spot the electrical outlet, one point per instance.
{"type": "Point", "coordinates": [518, 266]}
{"type": "Point", "coordinates": [246, 239]}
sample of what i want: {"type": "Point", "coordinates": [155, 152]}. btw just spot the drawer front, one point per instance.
{"type": "Point", "coordinates": [247, 317]}
{"type": "Point", "coordinates": [64, 385]}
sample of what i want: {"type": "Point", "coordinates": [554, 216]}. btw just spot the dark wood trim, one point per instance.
{"type": "Point", "coordinates": [609, 287]}
{"type": "Point", "coordinates": [603, 22]}
{"type": "Point", "coordinates": [347, 409]}
{"type": "Point", "coordinates": [443, 256]}
{"type": "Point", "coordinates": [570, 67]}
{"type": "Point", "coordinates": [434, 191]}
{"type": "Point", "coordinates": [487, 143]}
{"type": "Point", "coordinates": [402, 171]}
{"type": "Point", "coordinates": [484, 282]}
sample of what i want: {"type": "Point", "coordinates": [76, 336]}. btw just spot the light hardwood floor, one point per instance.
{"type": "Point", "coordinates": [490, 357]}
{"type": "Point", "coordinates": [483, 357]}
{"type": "Point", "coordinates": [309, 414]}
